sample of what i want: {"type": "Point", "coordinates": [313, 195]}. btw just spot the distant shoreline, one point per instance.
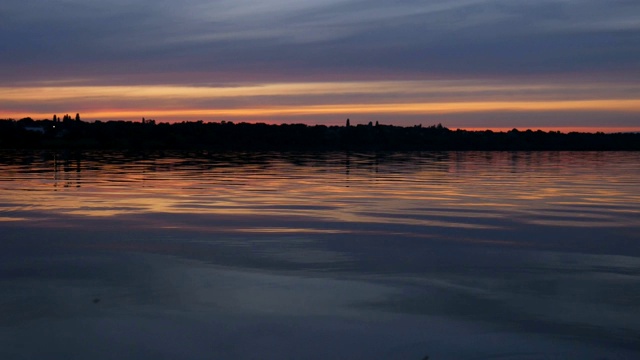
{"type": "Point", "coordinates": [149, 135]}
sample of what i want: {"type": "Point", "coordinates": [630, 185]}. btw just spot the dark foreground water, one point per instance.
{"type": "Point", "coordinates": [491, 255]}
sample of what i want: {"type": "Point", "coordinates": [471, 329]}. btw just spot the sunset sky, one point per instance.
{"type": "Point", "coordinates": [476, 64]}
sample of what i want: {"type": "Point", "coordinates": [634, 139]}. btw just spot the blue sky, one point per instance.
{"type": "Point", "coordinates": [577, 50]}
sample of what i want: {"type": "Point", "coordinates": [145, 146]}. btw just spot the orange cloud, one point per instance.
{"type": "Point", "coordinates": [632, 105]}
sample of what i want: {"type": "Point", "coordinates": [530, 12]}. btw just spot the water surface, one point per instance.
{"type": "Point", "coordinates": [470, 255]}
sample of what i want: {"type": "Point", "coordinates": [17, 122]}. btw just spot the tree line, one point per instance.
{"type": "Point", "coordinates": [73, 133]}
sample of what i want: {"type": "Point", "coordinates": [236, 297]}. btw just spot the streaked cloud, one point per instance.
{"type": "Point", "coordinates": [447, 89]}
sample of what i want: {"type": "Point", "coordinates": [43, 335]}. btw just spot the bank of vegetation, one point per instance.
{"type": "Point", "coordinates": [73, 133]}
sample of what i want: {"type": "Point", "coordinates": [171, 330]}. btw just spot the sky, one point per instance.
{"type": "Point", "coordinates": [473, 64]}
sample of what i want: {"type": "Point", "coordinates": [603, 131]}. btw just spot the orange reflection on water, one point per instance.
{"type": "Point", "coordinates": [306, 193]}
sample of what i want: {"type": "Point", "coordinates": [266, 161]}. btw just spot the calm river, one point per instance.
{"type": "Point", "coordinates": [453, 255]}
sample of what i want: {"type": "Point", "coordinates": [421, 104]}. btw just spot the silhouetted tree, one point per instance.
{"type": "Point", "coordinates": [77, 116]}
{"type": "Point", "coordinates": [244, 136]}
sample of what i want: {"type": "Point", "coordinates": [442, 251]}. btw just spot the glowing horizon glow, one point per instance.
{"type": "Point", "coordinates": [29, 93]}
{"type": "Point", "coordinates": [632, 105]}
{"type": "Point", "coordinates": [280, 102]}
{"type": "Point", "coordinates": [45, 91]}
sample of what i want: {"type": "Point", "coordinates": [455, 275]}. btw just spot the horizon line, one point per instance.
{"type": "Point", "coordinates": [562, 129]}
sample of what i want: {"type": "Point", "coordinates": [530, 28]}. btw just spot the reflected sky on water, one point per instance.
{"type": "Point", "coordinates": [470, 255]}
